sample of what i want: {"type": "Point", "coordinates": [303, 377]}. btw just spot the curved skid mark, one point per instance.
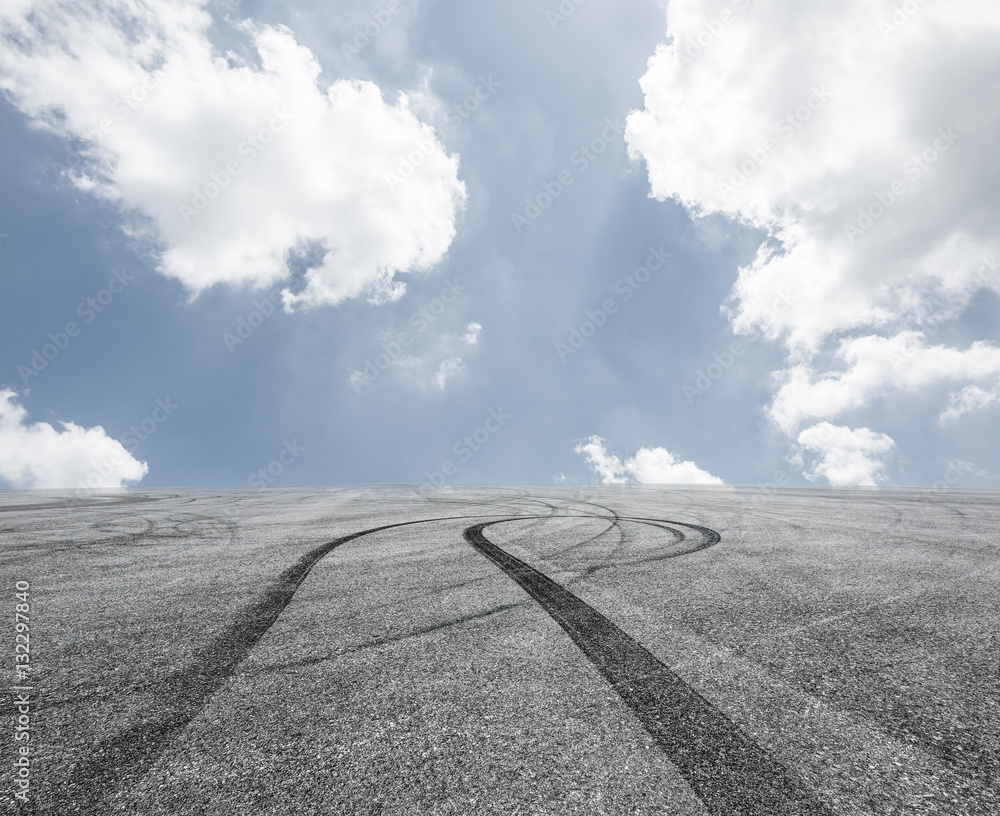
{"type": "Point", "coordinates": [125, 757]}
{"type": "Point", "coordinates": [673, 713]}
{"type": "Point", "coordinates": [727, 770]}
{"type": "Point", "coordinates": [398, 638]}
{"type": "Point", "coordinates": [613, 558]}
{"type": "Point", "coordinates": [612, 525]}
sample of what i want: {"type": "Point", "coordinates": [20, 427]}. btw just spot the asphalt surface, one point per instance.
{"type": "Point", "coordinates": [508, 650]}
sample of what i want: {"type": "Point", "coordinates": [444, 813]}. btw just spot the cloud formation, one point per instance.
{"type": "Point", "coordinates": [38, 456]}
{"type": "Point", "coordinates": [860, 136]}
{"type": "Point", "coordinates": [234, 168]}
{"type": "Point", "coordinates": [970, 399]}
{"type": "Point", "coordinates": [472, 331]}
{"type": "Point", "coordinates": [449, 368]}
{"type": "Point", "coordinates": [875, 365]}
{"type": "Point", "coordinates": [842, 456]}
{"type": "Point", "coordinates": [647, 466]}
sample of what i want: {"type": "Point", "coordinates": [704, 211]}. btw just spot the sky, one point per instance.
{"type": "Point", "coordinates": [256, 244]}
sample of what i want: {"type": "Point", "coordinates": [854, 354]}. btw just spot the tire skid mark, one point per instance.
{"type": "Point", "coordinates": [612, 525]}
{"type": "Point", "coordinates": [725, 768]}
{"type": "Point", "coordinates": [121, 760]}
{"type": "Point", "coordinates": [609, 515]}
{"type": "Point", "coordinates": [613, 558]}
{"type": "Point", "coordinates": [400, 638]}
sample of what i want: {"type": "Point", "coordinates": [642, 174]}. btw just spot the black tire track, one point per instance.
{"type": "Point", "coordinates": [731, 774]}
{"type": "Point", "coordinates": [123, 759]}
{"type": "Point", "coordinates": [727, 770]}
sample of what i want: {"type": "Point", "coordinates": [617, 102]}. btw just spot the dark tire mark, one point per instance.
{"type": "Point", "coordinates": [724, 767]}
{"type": "Point", "coordinates": [400, 638]}
{"type": "Point", "coordinates": [727, 770]}
{"type": "Point", "coordinates": [121, 760]}
{"type": "Point", "coordinates": [614, 522]}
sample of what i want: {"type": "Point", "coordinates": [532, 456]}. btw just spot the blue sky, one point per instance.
{"type": "Point", "coordinates": [496, 213]}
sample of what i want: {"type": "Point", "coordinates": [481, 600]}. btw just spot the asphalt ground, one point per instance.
{"type": "Point", "coordinates": [508, 650]}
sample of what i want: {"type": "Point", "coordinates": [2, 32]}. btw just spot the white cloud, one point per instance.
{"type": "Point", "coordinates": [422, 367]}
{"type": "Point", "coordinates": [38, 456]}
{"type": "Point", "coordinates": [647, 466]}
{"type": "Point", "coordinates": [961, 466]}
{"type": "Point", "coordinates": [471, 336]}
{"type": "Point", "coordinates": [307, 167]}
{"type": "Point", "coordinates": [970, 399]}
{"type": "Point", "coordinates": [864, 146]}
{"type": "Point", "coordinates": [843, 456]}
{"type": "Point", "coordinates": [452, 367]}
{"type": "Point", "coordinates": [874, 366]}
{"type": "Point", "coordinates": [608, 466]}
{"type": "Point", "coordinates": [660, 466]}
{"type": "Point", "coordinates": [862, 106]}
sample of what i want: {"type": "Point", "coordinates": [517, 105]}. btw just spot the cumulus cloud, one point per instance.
{"type": "Point", "coordinates": [443, 358]}
{"type": "Point", "coordinates": [858, 137]}
{"type": "Point", "coordinates": [233, 168]}
{"type": "Point", "coordinates": [471, 336]}
{"type": "Point", "coordinates": [970, 399]}
{"type": "Point", "coordinates": [647, 466]}
{"type": "Point", "coordinates": [873, 366]}
{"type": "Point", "coordinates": [962, 466]}
{"type": "Point", "coordinates": [452, 367]}
{"type": "Point", "coordinates": [796, 143]}
{"type": "Point", "coordinates": [609, 467]}
{"type": "Point", "coordinates": [843, 456]}
{"type": "Point", "coordinates": [38, 456]}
